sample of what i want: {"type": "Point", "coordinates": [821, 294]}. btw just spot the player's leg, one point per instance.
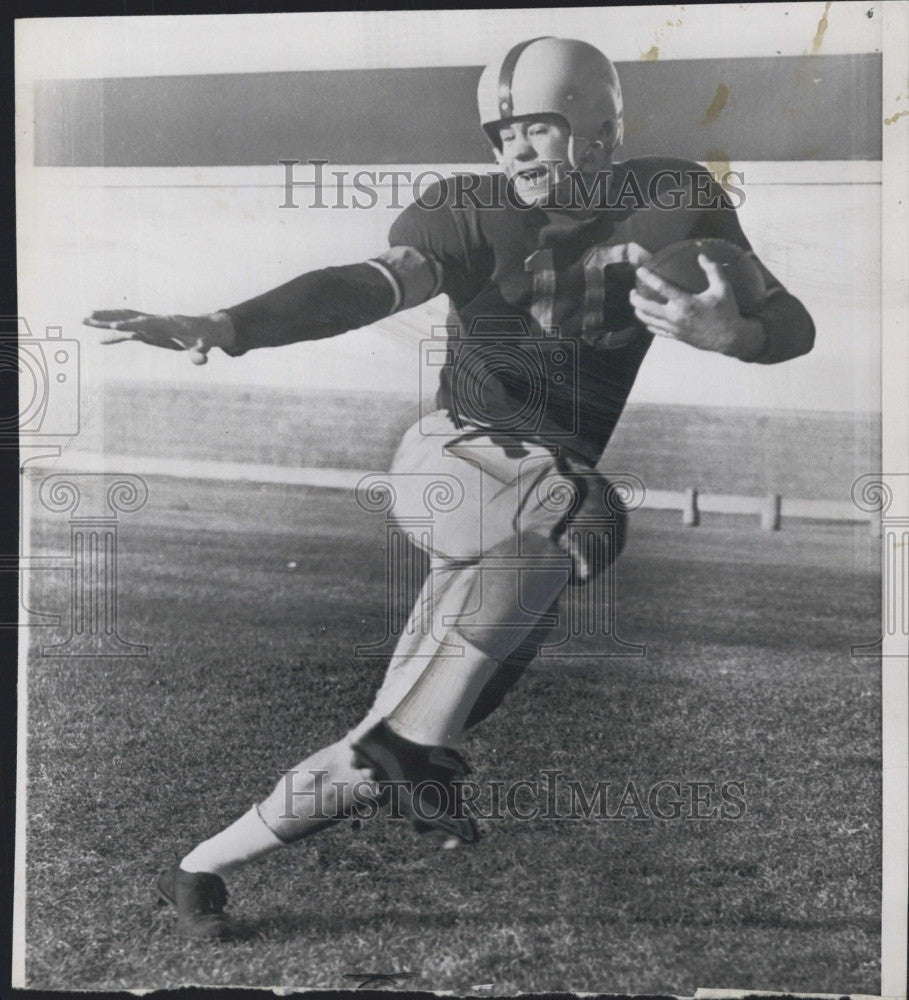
{"type": "Point", "coordinates": [520, 573]}
{"type": "Point", "coordinates": [511, 670]}
{"type": "Point", "coordinates": [520, 570]}
{"type": "Point", "coordinates": [569, 524]}
{"type": "Point", "coordinates": [309, 797]}
{"type": "Point", "coordinates": [313, 795]}
{"type": "Point", "coordinates": [410, 748]}
{"type": "Point", "coordinates": [507, 601]}
{"type": "Point", "coordinates": [593, 551]}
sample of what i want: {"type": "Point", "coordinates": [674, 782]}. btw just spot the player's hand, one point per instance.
{"type": "Point", "coordinates": [709, 320]}
{"type": "Point", "coordinates": [196, 334]}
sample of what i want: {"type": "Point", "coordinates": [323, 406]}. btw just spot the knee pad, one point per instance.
{"type": "Point", "coordinates": [513, 593]}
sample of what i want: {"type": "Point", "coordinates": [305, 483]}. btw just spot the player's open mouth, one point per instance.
{"type": "Point", "coordinates": [532, 176]}
{"type": "Point", "coordinates": [533, 183]}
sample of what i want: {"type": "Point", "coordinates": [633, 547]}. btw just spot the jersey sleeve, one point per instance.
{"type": "Point", "coordinates": [716, 217]}
{"type": "Point", "coordinates": [434, 247]}
{"type": "Point", "coordinates": [312, 306]}
{"type": "Point", "coordinates": [449, 235]}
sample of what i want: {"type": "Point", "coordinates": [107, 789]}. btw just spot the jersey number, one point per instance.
{"type": "Point", "coordinates": [540, 264]}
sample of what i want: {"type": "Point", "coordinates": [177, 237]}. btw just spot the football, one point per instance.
{"type": "Point", "coordinates": [678, 264]}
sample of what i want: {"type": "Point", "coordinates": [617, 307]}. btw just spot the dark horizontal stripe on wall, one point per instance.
{"type": "Point", "coordinates": [782, 108]}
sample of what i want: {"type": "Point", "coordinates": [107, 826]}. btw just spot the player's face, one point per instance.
{"type": "Point", "coordinates": [534, 155]}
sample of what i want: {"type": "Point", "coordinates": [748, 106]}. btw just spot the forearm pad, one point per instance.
{"type": "Point", "coordinates": [313, 306]}
{"type": "Point", "coordinates": [788, 328]}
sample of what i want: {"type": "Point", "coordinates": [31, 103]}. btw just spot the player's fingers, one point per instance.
{"type": "Point", "coordinates": [158, 331]}
{"type": "Point", "coordinates": [107, 317]}
{"type": "Point", "coordinates": [643, 303]}
{"type": "Point", "coordinates": [152, 329]}
{"type": "Point", "coordinates": [648, 309]}
{"type": "Point", "coordinates": [137, 323]}
{"type": "Point", "coordinates": [198, 353]}
{"type": "Point", "coordinates": [717, 285]}
{"type": "Point", "coordinates": [124, 329]}
{"type": "Point", "coordinates": [666, 328]}
{"type": "Point", "coordinates": [117, 337]}
{"type": "Point", "coordinates": [658, 284]}
{"type": "Point", "coordinates": [145, 329]}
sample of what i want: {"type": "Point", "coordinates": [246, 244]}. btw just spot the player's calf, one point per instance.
{"type": "Point", "coordinates": [422, 779]}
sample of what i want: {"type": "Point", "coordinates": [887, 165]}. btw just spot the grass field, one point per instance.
{"type": "Point", "coordinates": [748, 677]}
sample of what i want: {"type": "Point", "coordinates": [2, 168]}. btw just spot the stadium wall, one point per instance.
{"type": "Point", "coordinates": [166, 194]}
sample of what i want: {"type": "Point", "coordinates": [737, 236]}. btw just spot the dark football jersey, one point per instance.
{"type": "Point", "coordinates": [542, 340]}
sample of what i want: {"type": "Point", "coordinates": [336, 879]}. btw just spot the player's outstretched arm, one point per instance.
{"type": "Point", "coordinates": [196, 334]}
{"type": "Point", "coordinates": [313, 306]}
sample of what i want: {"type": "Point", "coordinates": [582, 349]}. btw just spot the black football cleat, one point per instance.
{"type": "Point", "coordinates": [424, 776]}
{"type": "Point", "coordinates": [199, 899]}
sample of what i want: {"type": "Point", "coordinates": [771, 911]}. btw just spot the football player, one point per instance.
{"type": "Point", "coordinates": [547, 333]}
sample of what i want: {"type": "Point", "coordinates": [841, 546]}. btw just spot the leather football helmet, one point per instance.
{"type": "Point", "coordinates": [562, 76]}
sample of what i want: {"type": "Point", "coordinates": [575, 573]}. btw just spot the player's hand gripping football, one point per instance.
{"type": "Point", "coordinates": [709, 320]}
{"type": "Point", "coordinates": [196, 334]}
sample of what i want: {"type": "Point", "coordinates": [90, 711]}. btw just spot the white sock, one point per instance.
{"type": "Point", "coordinates": [435, 709]}
{"type": "Point", "coordinates": [245, 840]}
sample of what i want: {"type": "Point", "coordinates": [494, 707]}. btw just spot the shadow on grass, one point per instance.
{"type": "Point", "coordinates": [286, 924]}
